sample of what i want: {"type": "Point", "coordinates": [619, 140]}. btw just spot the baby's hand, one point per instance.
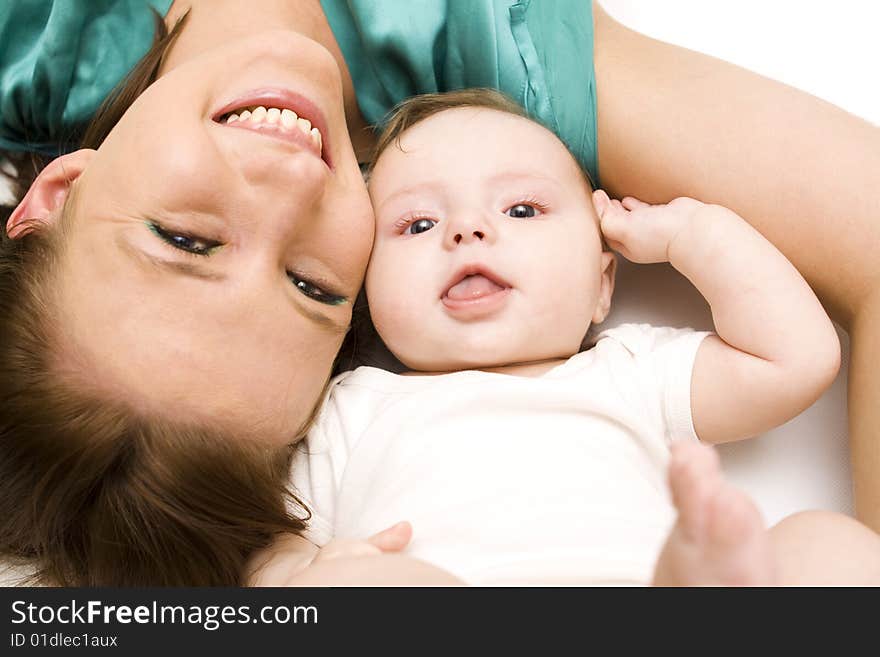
{"type": "Point", "coordinates": [291, 554]}
{"type": "Point", "coordinates": [640, 232]}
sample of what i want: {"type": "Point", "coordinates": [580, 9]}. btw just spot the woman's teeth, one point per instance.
{"type": "Point", "coordinates": [287, 119]}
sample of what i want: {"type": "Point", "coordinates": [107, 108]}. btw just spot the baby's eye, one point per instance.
{"type": "Point", "coordinates": [521, 211]}
{"type": "Point", "coordinates": [419, 226]}
{"type": "Point", "coordinates": [189, 243]}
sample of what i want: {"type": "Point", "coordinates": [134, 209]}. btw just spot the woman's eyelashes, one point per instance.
{"type": "Point", "coordinates": [315, 292]}
{"type": "Point", "coordinates": [202, 247]}
{"type": "Point", "coordinates": [191, 244]}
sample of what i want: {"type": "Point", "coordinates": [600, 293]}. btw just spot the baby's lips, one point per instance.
{"type": "Point", "coordinates": [473, 270]}
{"type": "Point", "coordinates": [472, 287]}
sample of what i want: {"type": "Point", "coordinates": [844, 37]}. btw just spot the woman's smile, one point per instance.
{"type": "Point", "coordinates": [280, 114]}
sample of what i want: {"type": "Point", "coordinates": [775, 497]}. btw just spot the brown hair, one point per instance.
{"type": "Point", "coordinates": [92, 492]}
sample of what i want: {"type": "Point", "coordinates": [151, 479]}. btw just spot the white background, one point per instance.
{"type": "Point", "coordinates": [830, 49]}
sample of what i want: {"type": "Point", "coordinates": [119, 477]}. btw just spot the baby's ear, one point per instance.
{"type": "Point", "coordinates": [606, 286]}
{"type": "Point", "coordinates": [42, 204]}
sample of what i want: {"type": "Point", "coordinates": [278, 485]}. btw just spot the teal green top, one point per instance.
{"type": "Point", "coordinates": [538, 52]}
{"type": "Point", "coordinates": [58, 60]}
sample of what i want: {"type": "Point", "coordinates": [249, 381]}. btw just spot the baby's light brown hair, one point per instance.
{"type": "Point", "coordinates": [414, 110]}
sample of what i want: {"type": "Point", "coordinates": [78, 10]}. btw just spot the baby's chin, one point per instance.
{"type": "Point", "coordinates": [438, 363]}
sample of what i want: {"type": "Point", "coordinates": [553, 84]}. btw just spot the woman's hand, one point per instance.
{"type": "Point", "coordinates": [640, 232]}
{"type": "Point", "coordinates": [393, 539]}
{"type": "Point", "coordinates": [290, 554]}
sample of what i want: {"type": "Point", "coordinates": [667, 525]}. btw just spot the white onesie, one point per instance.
{"type": "Point", "coordinates": [558, 479]}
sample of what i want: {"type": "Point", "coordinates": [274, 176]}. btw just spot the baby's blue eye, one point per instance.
{"type": "Point", "coordinates": [419, 226]}
{"type": "Point", "coordinates": [521, 211]}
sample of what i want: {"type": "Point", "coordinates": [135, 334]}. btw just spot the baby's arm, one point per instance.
{"type": "Point", "coordinates": [776, 350]}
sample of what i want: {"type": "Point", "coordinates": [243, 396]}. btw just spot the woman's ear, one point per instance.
{"type": "Point", "coordinates": [606, 287]}
{"type": "Point", "coordinates": [42, 204]}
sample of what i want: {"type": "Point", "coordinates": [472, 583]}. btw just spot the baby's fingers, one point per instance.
{"type": "Point", "coordinates": [613, 221]}
{"type": "Point", "coordinates": [632, 203]}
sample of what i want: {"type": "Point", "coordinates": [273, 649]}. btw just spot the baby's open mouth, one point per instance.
{"type": "Point", "coordinates": [473, 287]}
{"type": "Point", "coordinates": [473, 282]}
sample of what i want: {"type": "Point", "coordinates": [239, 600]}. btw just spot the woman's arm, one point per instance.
{"type": "Point", "coordinates": [673, 122]}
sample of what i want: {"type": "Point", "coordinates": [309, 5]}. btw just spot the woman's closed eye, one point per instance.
{"type": "Point", "coordinates": [192, 244]}
{"type": "Point", "coordinates": [314, 291]}
{"type": "Point", "coordinates": [203, 247]}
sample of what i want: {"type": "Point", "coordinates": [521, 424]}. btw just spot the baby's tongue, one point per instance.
{"type": "Point", "coordinates": [473, 287]}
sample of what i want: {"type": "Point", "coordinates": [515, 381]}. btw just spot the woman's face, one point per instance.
{"type": "Point", "coordinates": [210, 268]}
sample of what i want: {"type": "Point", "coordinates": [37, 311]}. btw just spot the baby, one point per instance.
{"type": "Point", "coordinates": [520, 453]}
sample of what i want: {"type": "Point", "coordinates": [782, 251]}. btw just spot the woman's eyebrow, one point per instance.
{"type": "Point", "coordinates": [323, 321]}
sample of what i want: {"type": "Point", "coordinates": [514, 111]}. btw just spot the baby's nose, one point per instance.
{"type": "Point", "coordinates": [480, 235]}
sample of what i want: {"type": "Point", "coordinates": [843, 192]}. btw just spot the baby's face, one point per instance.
{"type": "Point", "coordinates": [487, 248]}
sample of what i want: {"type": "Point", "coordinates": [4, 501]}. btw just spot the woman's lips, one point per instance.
{"type": "Point", "coordinates": [281, 99]}
{"type": "Point", "coordinates": [278, 131]}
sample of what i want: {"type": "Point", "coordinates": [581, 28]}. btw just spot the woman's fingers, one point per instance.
{"type": "Point", "coordinates": [343, 547]}
{"type": "Point", "coordinates": [393, 539]}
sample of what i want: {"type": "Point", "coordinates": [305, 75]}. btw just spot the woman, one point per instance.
{"type": "Point", "coordinates": [227, 311]}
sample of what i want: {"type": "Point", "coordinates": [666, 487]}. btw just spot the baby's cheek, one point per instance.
{"type": "Point", "coordinates": [568, 311]}
{"type": "Point", "coordinates": [396, 319]}
{"type": "Point", "coordinates": [399, 293]}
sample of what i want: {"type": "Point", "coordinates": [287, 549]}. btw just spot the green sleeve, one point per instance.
{"type": "Point", "coordinates": [538, 52]}
{"type": "Point", "coordinates": [59, 60]}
